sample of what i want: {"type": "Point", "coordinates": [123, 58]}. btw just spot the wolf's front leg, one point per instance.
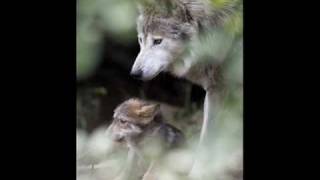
{"type": "Point", "coordinates": [150, 174]}
{"type": "Point", "coordinates": [206, 136]}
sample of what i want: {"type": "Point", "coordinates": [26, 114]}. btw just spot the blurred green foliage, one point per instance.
{"type": "Point", "coordinates": [116, 18]}
{"type": "Point", "coordinates": [88, 103]}
{"type": "Point", "coordinates": [97, 19]}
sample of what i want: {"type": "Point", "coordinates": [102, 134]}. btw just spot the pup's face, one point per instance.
{"type": "Point", "coordinates": [131, 117]}
{"type": "Point", "coordinates": [162, 41]}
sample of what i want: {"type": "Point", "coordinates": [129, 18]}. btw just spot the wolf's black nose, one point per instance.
{"type": "Point", "coordinates": [136, 74]}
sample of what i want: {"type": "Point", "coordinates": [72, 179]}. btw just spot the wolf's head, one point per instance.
{"type": "Point", "coordinates": [131, 117]}
{"type": "Point", "coordinates": [163, 30]}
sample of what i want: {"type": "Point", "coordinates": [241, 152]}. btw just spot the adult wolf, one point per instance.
{"type": "Point", "coordinates": [166, 28]}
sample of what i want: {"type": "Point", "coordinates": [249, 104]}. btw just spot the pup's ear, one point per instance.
{"type": "Point", "coordinates": [148, 110]}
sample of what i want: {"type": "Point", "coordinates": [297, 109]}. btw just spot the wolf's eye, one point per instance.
{"type": "Point", "coordinates": [122, 121]}
{"type": "Point", "coordinates": [140, 40]}
{"type": "Point", "coordinates": [157, 41]}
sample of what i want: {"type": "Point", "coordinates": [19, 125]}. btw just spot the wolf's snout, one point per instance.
{"type": "Point", "coordinates": [136, 74]}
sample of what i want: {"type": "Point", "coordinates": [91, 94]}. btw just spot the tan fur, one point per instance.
{"type": "Point", "coordinates": [136, 110]}
{"type": "Point", "coordinates": [137, 124]}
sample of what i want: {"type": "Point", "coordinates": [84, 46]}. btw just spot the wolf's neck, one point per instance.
{"type": "Point", "coordinates": [199, 73]}
{"type": "Point", "coordinates": [181, 67]}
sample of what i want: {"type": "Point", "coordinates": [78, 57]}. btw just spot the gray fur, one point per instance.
{"type": "Point", "coordinates": [176, 23]}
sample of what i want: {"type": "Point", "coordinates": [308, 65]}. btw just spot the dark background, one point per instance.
{"type": "Point", "coordinates": [45, 109]}
{"type": "Point", "coordinates": [113, 74]}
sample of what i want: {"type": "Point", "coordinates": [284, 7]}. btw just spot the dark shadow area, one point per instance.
{"type": "Point", "coordinates": [113, 75]}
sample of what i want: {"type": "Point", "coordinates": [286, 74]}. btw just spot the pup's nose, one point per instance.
{"type": "Point", "coordinates": [136, 74]}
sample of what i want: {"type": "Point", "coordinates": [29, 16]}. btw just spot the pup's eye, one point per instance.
{"type": "Point", "coordinates": [140, 40]}
{"type": "Point", "coordinates": [157, 41]}
{"type": "Point", "coordinates": [122, 121]}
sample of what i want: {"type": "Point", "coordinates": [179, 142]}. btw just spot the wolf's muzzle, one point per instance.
{"type": "Point", "coordinates": [136, 74]}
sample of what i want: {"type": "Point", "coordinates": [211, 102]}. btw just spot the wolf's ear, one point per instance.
{"type": "Point", "coordinates": [187, 30]}
{"type": "Point", "coordinates": [140, 7]}
{"type": "Point", "coordinates": [145, 4]}
{"type": "Point", "coordinates": [195, 10]}
{"type": "Point", "coordinates": [148, 110]}
{"type": "Point", "coordinates": [159, 6]}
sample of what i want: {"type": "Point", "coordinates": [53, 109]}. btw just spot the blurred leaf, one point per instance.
{"type": "Point", "coordinates": [119, 18]}
{"type": "Point", "coordinates": [233, 68]}
{"type": "Point", "coordinates": [95, 19]}
{"type": "Point", "coordinates": [88, 51]}
{"type": "Point", "coordinates": [234, 24]}
{"type": "Point", "coordinates": [212, 46]}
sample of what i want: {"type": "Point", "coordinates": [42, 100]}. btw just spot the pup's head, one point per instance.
{"type": "Point", "coordinates": [131, 117]}
{"type": "Point", "coordinates": [163, 28]}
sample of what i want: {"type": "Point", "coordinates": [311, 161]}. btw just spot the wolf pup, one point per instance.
{"type": "Point", "coordinates": [138, 124]}
{"type": "Point", "coordinates": [164, 28]}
